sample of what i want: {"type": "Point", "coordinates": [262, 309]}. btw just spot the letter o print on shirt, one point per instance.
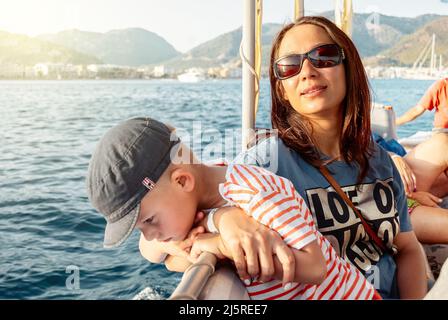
{"type": "Point", "coordinates": [333, 199]}
{"type": "Point", "coordinates": [383, 198]}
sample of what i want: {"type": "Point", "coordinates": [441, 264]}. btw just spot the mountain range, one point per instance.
{"type": "Point", "coordinates": [27, 51]}
{"type": "Point", "coordinates": [380, 39]}
{"type": "Point", "coordinates": [131, 47]}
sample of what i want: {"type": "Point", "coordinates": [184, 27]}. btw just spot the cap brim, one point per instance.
{"type": "Point", "coordinates": [117, 232]}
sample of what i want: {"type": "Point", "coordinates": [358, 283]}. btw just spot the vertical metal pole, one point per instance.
{"type": "Point", "coordinates": [338, 14]}
{"type": "Point", "coordinates": [348, 17]}
{"type": "Point", "coordinates": [299, 9]}
{"type": "Point", "coordinates": [343, 15]}
{"type": "Point", "coordinates": [248, 94]}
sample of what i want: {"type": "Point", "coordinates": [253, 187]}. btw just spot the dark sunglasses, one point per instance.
{"type": "Point", "coordinates": [325, 56]}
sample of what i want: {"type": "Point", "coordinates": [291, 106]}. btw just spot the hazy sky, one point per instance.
{"type": "Point", "coordinates": [184, 23]}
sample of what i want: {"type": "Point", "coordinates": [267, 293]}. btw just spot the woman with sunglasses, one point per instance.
{"type": "Point", "coordinates": [321, 109]}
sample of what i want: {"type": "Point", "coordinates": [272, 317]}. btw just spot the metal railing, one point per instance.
{"type": "Point", "coordinates": [195, 278]}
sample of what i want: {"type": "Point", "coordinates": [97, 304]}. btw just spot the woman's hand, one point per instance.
{"type": "Point", "coordinates": [252, 246]}
{"type": "Point", "coordinates": [406, 174]}
{"type": "Point", "coordinates": [426, 198]}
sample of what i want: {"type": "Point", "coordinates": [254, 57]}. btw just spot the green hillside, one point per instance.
{"type": "Point", "coordinates": [406, 51]}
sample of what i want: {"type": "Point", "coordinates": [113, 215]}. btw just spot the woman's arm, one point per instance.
{"type": "Point", "coordinates": [252, 246]}
{"type": "Point", "coordinates": [310, 264]}
{"type": "Point", "coordinates": [411, 274]}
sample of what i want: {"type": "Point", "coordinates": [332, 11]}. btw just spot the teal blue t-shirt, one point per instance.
{"type": "Point", "coordinates": [380, 198]}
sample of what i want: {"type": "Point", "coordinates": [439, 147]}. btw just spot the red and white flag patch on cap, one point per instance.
{"type": "Point", "coordinates": [148, 183]}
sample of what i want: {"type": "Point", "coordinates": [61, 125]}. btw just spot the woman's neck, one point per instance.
{"type": "Point", "coordinates": [327, 135]}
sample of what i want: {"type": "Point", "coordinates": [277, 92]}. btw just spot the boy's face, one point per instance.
{"type": "Point", "coordinates": [167, 212]}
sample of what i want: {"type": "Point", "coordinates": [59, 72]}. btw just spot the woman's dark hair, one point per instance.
{"type": "Point", "coordinates": [294, 129]}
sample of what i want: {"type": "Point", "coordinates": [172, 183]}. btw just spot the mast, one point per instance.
{"type": "Point", "coordinates": [343, 15]}
{"type": "Point", "coordinates": [299, 9]}
{"type": "Point", "coordinates": [433, 55]}
{"type": "Point", "coordinates": [248, 77]}
{"type": "Point", "coordinates": [422, 56]}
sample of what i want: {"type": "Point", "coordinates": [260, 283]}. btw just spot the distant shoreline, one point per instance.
{"type": "Point", "coordinates": [165, 79]}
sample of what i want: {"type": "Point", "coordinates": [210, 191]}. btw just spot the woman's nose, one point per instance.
{"type": "Point", "coordinates": [308, 70]}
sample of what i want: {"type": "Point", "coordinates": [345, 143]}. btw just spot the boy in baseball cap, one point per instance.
{"type": "Point", "coordinates": [138, 178]}
{"type": "Point", "coordinates": [129, 161]}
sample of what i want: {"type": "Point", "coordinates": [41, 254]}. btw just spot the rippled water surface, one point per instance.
{"type": "Point", "coordinates": [48, 131]}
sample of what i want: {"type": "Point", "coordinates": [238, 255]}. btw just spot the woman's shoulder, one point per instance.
{"type": "Point", "coordinates": [380, 162]}
{"type": "Point", "coordinates": [379, 153]}
{"type": "Point", "coordinates": [265, 151]}
{"type": "Point", "coordinates": [258, 153]}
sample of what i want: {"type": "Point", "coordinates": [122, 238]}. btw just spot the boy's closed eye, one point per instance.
{"type": "Point", "coordinates": [150, 220]}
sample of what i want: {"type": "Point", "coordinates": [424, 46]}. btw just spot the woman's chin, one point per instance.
{"type": "Point", "coordinates": [316, 106]}
{"type": "Point", "coordinates": [313, 108]}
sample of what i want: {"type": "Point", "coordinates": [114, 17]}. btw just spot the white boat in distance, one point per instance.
{"type": "Point", "coordinates": [190, 76]}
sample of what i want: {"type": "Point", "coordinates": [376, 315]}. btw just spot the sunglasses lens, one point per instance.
{"type": "Point", "coordinates": [325, 56]}
{"type": "Point", "coordinates": [288, 67]}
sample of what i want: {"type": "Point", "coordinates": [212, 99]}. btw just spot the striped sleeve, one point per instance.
{"type": "Point", "coordinates": [272, 201]}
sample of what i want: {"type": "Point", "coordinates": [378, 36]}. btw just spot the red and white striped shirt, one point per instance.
{"type": "Point", "coordinates": [273, 201]}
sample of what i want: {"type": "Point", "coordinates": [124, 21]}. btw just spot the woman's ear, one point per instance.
{"type": "Point", "coordinates": [183, 179]}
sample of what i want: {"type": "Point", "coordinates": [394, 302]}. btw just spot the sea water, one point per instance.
{"type": "Point", "coordinates": [50, 236]}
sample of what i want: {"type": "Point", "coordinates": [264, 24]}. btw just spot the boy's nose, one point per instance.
{"type": "Point", "coordinates": [150, 235]}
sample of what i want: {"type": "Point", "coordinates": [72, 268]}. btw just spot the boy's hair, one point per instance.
{"type": "Point", "coordinates": [126, 164]}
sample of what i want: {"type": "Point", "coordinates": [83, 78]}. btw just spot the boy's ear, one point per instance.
{"type": "Point", "coordinates": [184, 179]}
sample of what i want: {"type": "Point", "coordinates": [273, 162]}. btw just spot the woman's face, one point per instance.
{"type": "Point", "coordinates": [314, 92]}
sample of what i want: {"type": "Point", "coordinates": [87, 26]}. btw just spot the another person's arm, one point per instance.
{"type": "Point", "coordinates": [426, 199]}
{"type": "Point", "coordinates": [410, 184]}
{"type": "Point", "coordinates": [406, 174]}
{"type": "Point", "coordinates": [428, 102]}
{"type": "Point", "coordinates": [410, 115]}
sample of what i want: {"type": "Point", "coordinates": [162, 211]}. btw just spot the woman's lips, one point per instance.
{"type": "Point", "coordinates": [313, 91]}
